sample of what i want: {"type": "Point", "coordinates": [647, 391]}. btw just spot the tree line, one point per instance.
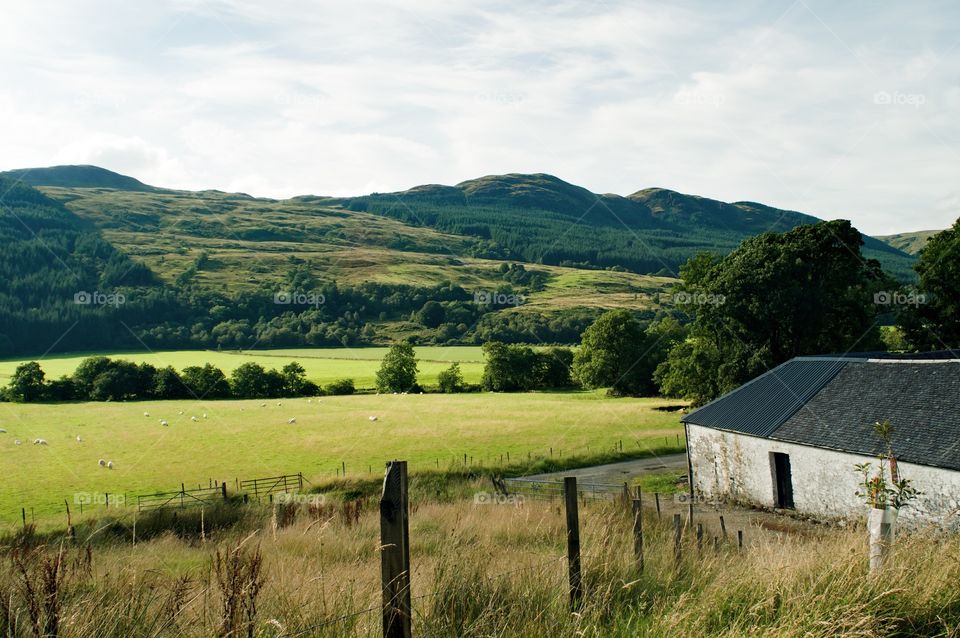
{"type": "Point", "coordinates": [104, 379]}
{"type": "Point", "coordinates": [779, 295]}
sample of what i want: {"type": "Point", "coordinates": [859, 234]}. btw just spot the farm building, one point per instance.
{"type": "Point", "coordinates": [792, 437]}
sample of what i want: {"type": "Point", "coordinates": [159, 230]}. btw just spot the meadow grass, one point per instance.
{"type": "Point", "coordinates": [252, 438]}
{"type": "Point", "coordinates": [482, 571]}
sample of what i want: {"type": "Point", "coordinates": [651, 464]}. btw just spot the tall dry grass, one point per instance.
{"type": "Point", "coordinates": [478, 571]}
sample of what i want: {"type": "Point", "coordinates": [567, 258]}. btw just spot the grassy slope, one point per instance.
{"type": "Point", "coordinates": [242, 439]}
{"type": "Point", "coordinates": [323, 365]}
{"type": "Point", "coordinates": [253, 241]}
{"type": "Point", "coordinates": [910, 243]}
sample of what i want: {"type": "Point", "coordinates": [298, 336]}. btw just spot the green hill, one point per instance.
{"type": "Point", "coordinates": [202, 269]}
{"type": "Point", "coordinates": [82, 176]}
{"type": "Point", "coordinates": [910, 243]}
{"type": "Point", "coordinates": [540, 218]}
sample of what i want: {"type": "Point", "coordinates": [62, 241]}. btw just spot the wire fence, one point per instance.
{"type": "Point", "coordinates": [622, 449]}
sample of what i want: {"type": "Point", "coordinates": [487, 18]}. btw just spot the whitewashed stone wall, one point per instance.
{"type": "Point", "coordinates": [738, 467]}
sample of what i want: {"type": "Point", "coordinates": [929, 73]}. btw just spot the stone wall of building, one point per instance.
{"type": "Point", "coordinates": [739, 467]}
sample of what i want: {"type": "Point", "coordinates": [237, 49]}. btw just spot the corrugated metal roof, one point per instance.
{"type": "Point", "coordinates": [761, 406]}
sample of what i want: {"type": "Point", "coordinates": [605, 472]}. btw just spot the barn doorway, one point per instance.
{"type": "Point", "coordinates": [782, 480]}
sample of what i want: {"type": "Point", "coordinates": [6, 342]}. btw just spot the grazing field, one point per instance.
{"type": "Point", "coordinates": [323, 365]}
{"type": "Point", "coordinates": [251, 439]}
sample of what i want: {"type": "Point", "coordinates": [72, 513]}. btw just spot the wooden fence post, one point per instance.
{"type": "Point", "coordinates": [677, 537]}
{"type": "Point", "coordinates": [573, 540]}
{"type": "Point", "coordinates": [723, 528]}
{"type": "Point", "coordinates": [638, 528]}
{"type": "Point", "coordinates": [223, 490]}
{"type": "Point", "coordinates": [699, 537]}
{"type": "Point", "coordinates": [656, 496]}
{"type": "Point", "coordinates": [740, 539]}
{"type": "Point", "coordinates": [395, 552]}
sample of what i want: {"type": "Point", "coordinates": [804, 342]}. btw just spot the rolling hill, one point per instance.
{"type": "Point", "coordinates": [540, 218]}
{"type": "Point", "coordinates": [202, 269]}
{"type": "Point", "coordinates": [82, 176]}
{"type": "Point", "coordinates": [910, 243]}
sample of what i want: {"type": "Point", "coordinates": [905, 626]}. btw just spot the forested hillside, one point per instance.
{"type": "Point", "coordinates": [519, 258]}
{"type": "Point", "coordinates": [541, 218]}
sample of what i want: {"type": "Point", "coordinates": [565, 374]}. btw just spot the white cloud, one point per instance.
{"type": "Point", "coordinates": [770, 103]}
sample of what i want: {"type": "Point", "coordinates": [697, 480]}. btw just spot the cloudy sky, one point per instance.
{"type": "Point", "coordinates": [837, 109]}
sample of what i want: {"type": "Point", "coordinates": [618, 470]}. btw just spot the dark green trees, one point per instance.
{"type": "Point", "coordinates": [933, 323]}
{"type": "Point", "coordinates": [777, 296]}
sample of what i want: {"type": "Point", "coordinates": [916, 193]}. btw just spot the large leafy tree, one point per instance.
{"type": "Point", "coordinates": [207, 382]}
{"type": "Point", "coordinates": [934, 324]}
{"type": "Point", "coordinates": [508, 367]}
{"type": "Point", "coordinates": [249, 380]}
{"type": "Point", "coordinates": [27, 382]}
{"type": "Point", "coordinates": [617, 353]}
{"type": "Point", "coordinates": [778, 296]}
{"type": "Point", "coordinates": [398, 370]}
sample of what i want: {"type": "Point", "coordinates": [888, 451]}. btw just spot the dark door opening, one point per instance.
{"type": "Point", "coordinates": [783, 481]}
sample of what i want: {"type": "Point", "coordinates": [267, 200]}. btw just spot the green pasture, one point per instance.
{"type": "Point", "coordinates": [252, 438]}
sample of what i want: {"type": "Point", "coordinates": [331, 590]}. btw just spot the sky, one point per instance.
{"type": "Point", "coordinates": [837, 109]}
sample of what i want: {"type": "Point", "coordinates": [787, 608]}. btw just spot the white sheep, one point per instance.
{"type": "Point", "coordinates": [193, 418]}
{"type": "Point", "coordinates": [373, 418]}
{"type": "Point", "coordinates": [102, 463]}
{"type": "Point", "coordinates": [40, 442]}
{"type": "Point", "coordinates": [180, 412]}
{"type": "Point", "coordinates": [291, 420]}
{"type": "Point", "coordinates": [279, 404]}
{"type": "Point", "coordinates": [263, 405]}
{"type": "Point", "coordinates": [204, 415]}
{"type": "Point", "coordinates": [16, 442]}
{"type": "Point", "coordinates": [2, 431]}
{"type": "Point", "coordinates": [146, 414]}
{"type": "Point", "coordinates": [164, 423]}
{"type": "Point", "coordinates": [79, 440]}
{"type": "Point", "coordinates": [109, 465]}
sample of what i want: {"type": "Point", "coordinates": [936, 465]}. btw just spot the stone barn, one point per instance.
{"type": "Point", "coordinates": [790, 439]}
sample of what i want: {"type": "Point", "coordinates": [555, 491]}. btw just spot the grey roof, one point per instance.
{"type": "Point", "coordinates": [764, 404]}
{"type": "Point", "coordinates": [919, 399]}
{"type": "Point", "coordinates": [919, 396]}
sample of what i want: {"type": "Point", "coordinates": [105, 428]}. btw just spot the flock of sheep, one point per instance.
{"type": "Point", "coordinates": [109, 464]}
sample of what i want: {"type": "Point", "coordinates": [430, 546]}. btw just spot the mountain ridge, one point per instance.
{"type": "Point", "coordinates": [652, 230]}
